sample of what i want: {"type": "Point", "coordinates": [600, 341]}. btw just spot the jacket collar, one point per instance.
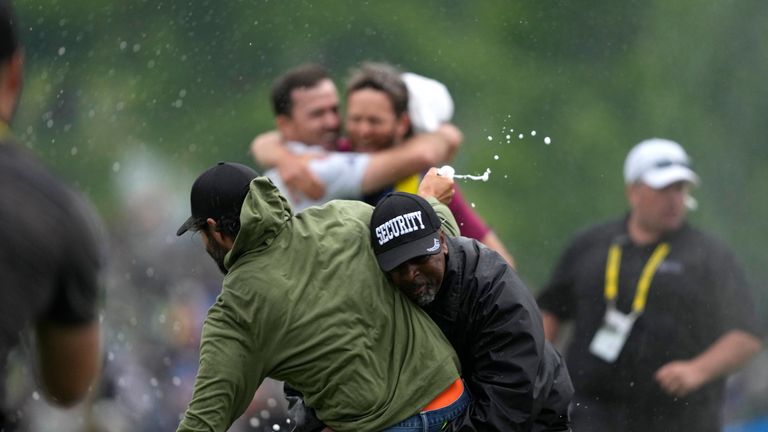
{"type": "Point", "coordinates": [448, 300]}
{"type": "Point", "coordinates": [263, 215]}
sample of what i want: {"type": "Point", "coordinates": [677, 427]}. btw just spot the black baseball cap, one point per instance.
{"type": "Point", "coordinates": [403, 226]}
{"type": "Point", "coordinates": [219, 191]}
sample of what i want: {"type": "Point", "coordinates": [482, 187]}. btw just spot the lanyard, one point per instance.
{"type": "Point", "coordinates": [649, 270]}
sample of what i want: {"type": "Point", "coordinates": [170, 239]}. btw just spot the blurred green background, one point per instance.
{"type": "Point", "coordinates": [127, 95]}
{"type": "Point", "coordinates": [185, 83]}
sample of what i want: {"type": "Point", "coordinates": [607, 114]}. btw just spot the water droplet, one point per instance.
{"type": "Point", "coordinates": [136, 47]}
{"type": "Point", "coordinates": [490, 138]}
{"type": "Point", "coordinates": [264, 414]}
{"type": "Point", "coordinates": [521, 136]}
{"type": "Point", "coordinates": [547, 141]}
{"type": "Point", "coordinates": [176, 381]}
{"type": "Point", "coordinates": [116, 167]}
{"type": "Point", "coordinates": [153, 382]}
{"type": "Point", "coordinates": [509, 137]}
{"type": "Point", "coordinates": [123, 45]}
{"type": "Point", "coordinates": [62, 50]}
{"type": "Point", "coordinates": [182, 93]}
{"type": "Point", "coordinates": [533, 133]}
{"type": "Point", "coordinates": [496, 157]}
{"type": "Point", "coordinates": [150, 272]}
{"type": "Point", "coordinates": [275, 427]}
{"type": "Point", "coordinates": [472, 204]}
{"type": "Point", "coordinates": [271, 402]}
{"type": "Point", "coordinates": [254, 422]}
{"type": "Point", "coordinates": [73, 151]}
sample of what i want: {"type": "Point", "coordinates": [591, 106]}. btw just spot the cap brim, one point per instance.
{"type": "Point", "coordinates": [427, 245]}
{"type": "Point", "coordinates": [186, 226]}
{"type": "Point", "coordinates": [663, 177]}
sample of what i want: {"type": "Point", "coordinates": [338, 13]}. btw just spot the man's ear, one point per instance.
{"type": "Point", "coordinates": [403, 126]}
{"type": "Point", "coordinates": [284, 124]}
{"type": "Point", "coordinates": [217, 236]}
{"type": "Point", "coordinates": [631, 191]}
{"type": "Point", "coordinates": [213, 230]}
{"type": "Point", "coordinates": [443, 245]}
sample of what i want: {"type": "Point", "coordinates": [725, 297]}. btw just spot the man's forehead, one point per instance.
{"type": "Point", "coordinates": [371, 100]}
{"type": "Point", "coordinates": [682, 184]}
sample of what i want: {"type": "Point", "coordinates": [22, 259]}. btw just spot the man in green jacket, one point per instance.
{"type": "Point", "coordinates": [303, 301]}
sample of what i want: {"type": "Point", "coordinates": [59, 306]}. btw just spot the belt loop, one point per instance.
{"type": "Point", "coordinates": [424, 423]}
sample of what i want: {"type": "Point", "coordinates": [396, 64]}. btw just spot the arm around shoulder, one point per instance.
{"type": "Point", "coordinates": [267, 149]}
{"type": "Point", "coordinates": [414, 156]}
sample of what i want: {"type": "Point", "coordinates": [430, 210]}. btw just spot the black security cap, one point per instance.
{"type": "Point", "coordinates": [403, 226]}
{"type": "Point", "coordinates": [219, 191]}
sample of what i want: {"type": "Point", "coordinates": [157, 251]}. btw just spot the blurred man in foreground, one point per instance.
{"type": "Point", "coordinates": [517, 380]}
{"type": "Point", "coordinates": [303, 302]}
{"type": "Point", "coordinates": [49, 255]}
{"type": "Point", "coordinates": [662, 312]}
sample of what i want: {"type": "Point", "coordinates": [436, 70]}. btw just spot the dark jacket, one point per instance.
{"type": "Point", "coordinates": [517, 380]}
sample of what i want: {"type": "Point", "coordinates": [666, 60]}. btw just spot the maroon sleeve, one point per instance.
{"type": "Point", "coordinates": [470, 223]}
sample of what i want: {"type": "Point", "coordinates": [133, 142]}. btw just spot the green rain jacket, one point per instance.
{"type": "Point", "coordinates": [304, 302]}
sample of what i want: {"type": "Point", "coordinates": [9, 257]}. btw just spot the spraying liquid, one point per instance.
{"type": "Point", "coordinates": [448, 171]}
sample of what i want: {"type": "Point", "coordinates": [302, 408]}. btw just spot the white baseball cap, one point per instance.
{"type": "Point", "coordinates": [658, 163]}
{"type": "Point", "coordinates": [429, 102]}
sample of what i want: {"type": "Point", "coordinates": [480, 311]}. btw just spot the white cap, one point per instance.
{"type": "Point", "coordinates": [658, 163]}
{"type": "Point", "coordinates": [429, 102]}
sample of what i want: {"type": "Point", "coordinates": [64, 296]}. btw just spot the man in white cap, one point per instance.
{"type": "Point", "coordinates": [661, 311]}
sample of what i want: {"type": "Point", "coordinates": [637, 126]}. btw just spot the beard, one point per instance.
{"type": "Point", "coordinates": [217, 253]}
{"type": "Point", "coordinates": [421, 296]}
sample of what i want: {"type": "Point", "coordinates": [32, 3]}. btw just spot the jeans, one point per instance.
{"type": "Point", "coordinates": [432, 421]}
